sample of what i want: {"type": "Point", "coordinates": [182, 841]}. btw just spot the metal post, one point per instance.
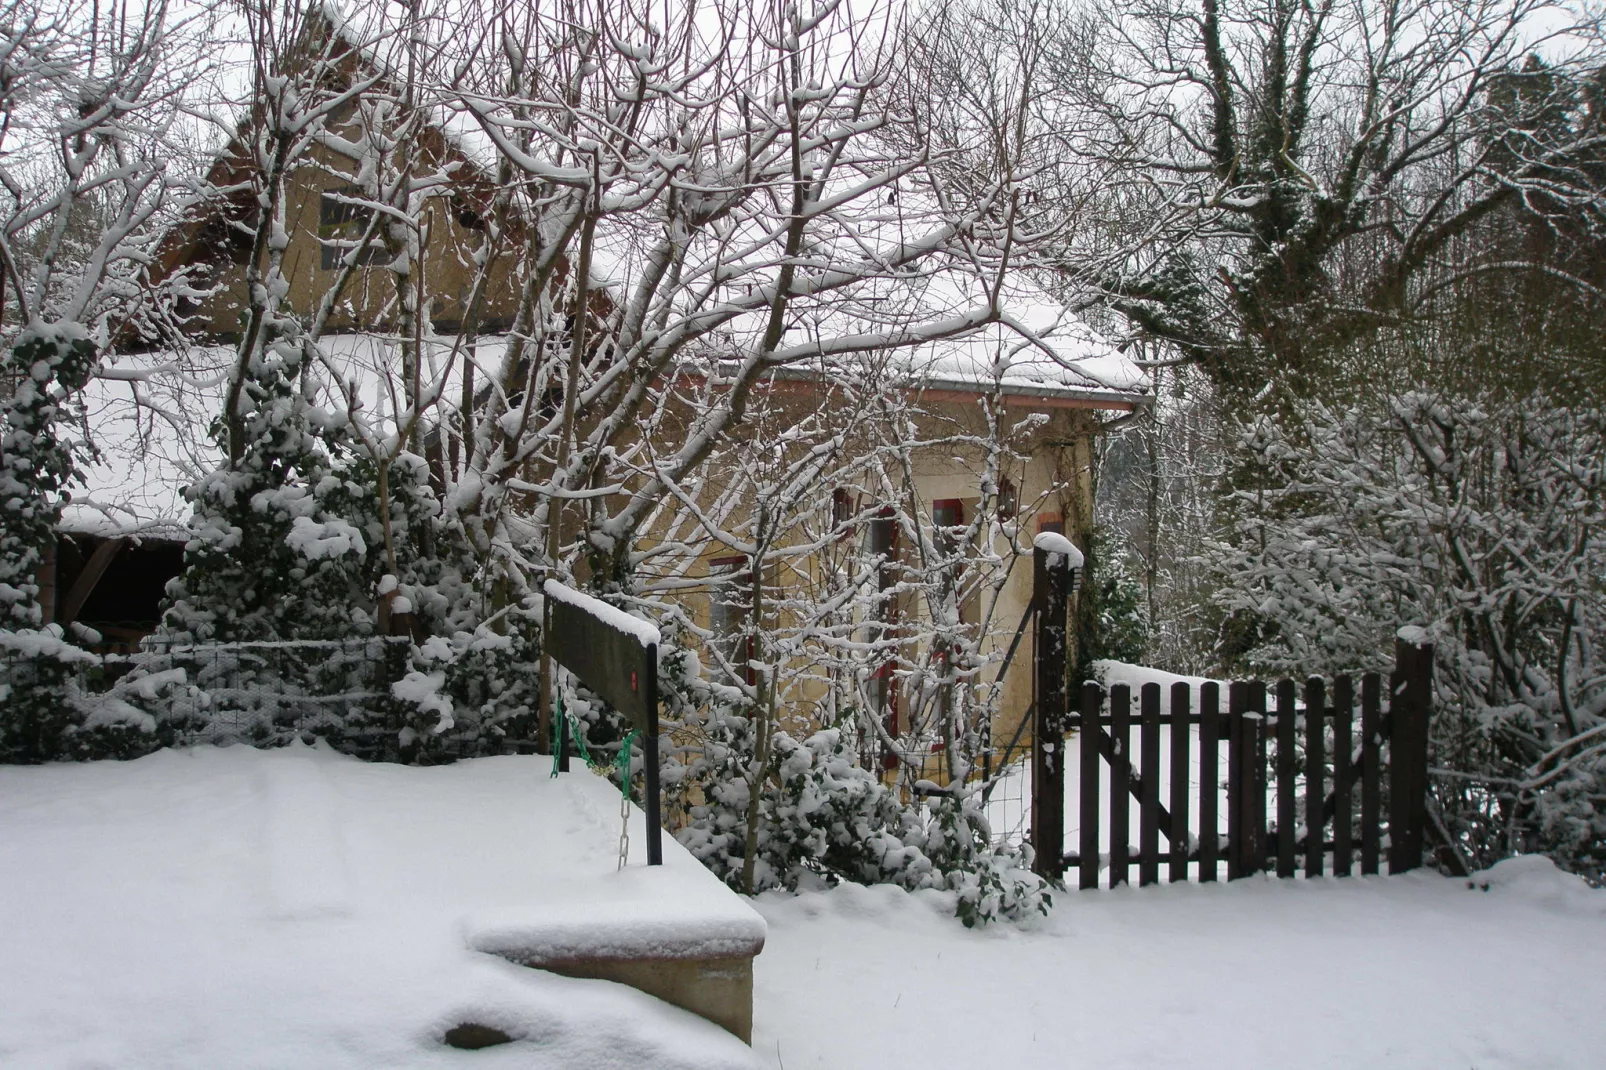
{"type": "Point", "coordinates": [1050, 597]}
{"type": "Point", "coordinates": [561, 719]}
{"type": "Point", "coordinates": [649, 755]}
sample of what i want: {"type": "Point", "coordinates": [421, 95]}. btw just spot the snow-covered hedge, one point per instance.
{"type": "Point", "coordinates": [823, 816]}
{"type": "Point", "coordinates": [1485, 524]}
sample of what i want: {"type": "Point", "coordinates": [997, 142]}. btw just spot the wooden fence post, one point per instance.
{"type": "Point", "coordinates": [1051, 587]}
{"type": "Point", "coordinates": [1410, 704]}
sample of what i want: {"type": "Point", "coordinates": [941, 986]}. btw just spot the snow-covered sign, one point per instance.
{"type": "Point", "coordinates": [613, 653]}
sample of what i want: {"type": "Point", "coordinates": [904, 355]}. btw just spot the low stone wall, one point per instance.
{"type": "Point", "coordinates": [719, 989]}
{"type": "Point", "coordinates": [704, 968]}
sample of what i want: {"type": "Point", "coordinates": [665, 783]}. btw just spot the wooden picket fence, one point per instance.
{"type": "Point", "coordinates": [1308, 777]}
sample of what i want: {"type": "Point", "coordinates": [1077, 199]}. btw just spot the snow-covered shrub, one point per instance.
{"type": "Point", "coordinates": [48, 366]}
{"type": "Point", "coordinates": [472, 692]}
{"type": "Point", "coordinates": [42, 713]}
{"type": "Point", "coordinates": [1110, 607]}
{"type": "Point", "coordinates": [273, 552]}
{"type": "Point", "coordinates": [1486, 525]}
{"type": "Point", "coordinates": [823, 816]}
{"type": "Point", "coordinates": [47, 713]}
{"type": "Point", "coordinates": [991, 881]}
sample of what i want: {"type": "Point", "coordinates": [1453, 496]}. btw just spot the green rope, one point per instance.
{"type": "Point", "coordinates": [557, 729]}
{"type": "Point", "coordinates": [624, 761]}
{"type": "Point", "coordinates": [559, 720]}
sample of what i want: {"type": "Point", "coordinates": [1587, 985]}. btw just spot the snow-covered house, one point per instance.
{"type": "Point", "coordinates": [1038, 378]}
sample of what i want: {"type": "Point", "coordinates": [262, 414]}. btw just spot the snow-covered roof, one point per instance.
{"type": "Point", "coordinates": [151, 415]}
{"type": "Point", "coordinates": [1036, 348]}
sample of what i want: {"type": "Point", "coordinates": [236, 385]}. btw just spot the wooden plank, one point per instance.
{"type": "Point", "coordinates": [1258, 736]}
{"type": "Point", "coordinates": [1087, 866]}
{"type": "Point", "coordinates": [1209, 777]}
{"type": "Point", "coordinates": [45, 577]}
{"type": "Point", "coordinates": [1315, 772]}
{"type": "Point", "coordinates": [1409, 704]}
{"type": "Point", "coordinates": [84, 586]}
{"type": "Point", "coordinates": [1343, 776]}
{"type": "Point", "coordinates": [1371, 795]}
{"type": "Point", "coordinates": [615, 662]}
{"type": "Point", "coordinates": [1287, 816]}
{"type": "Point", "coordinates": [1120, 785]}
{"type": "Point", "coordinates": [1181, 737]}
{"type": "Point", "coordinates": [1149, 807]}
{"type": "Point", "coordinates": [1235, 791]}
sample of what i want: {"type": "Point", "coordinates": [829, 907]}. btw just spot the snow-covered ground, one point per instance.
{"type": "Point", "coordinates": [239, 909]}
{"type": "Point", "coordinates": [1410, 973]}
{"type": "Point", "coordinates": [231, 908]}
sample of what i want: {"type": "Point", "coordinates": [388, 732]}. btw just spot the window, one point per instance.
{"type": "Point", "coordinates": [881, 540]}
{"type": "Point", "coordinates": [341, 224]}
{"type": "Point", "coordinates": [947, 516]}
{"type": "Point", "coordinates": [1050, 522]}
{"type": "Point", "coordinates": [1008, 500]}
{"type": "Point", "coordinates": [464, 213]}
{"type": "Point", "coordinates": [842, 511]}
{"type": "Point", "coordinates": [728, 607]}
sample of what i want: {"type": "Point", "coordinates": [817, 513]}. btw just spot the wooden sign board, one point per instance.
{"type": "Point", "coordinates": [617, 663]}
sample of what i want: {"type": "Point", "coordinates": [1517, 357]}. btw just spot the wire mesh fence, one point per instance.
{"type": "Point", "coordinates": [265, 693]}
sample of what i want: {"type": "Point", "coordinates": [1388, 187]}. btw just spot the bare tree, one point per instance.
{"type": "Point", "coordinates": [86, 108]}
{"type": "Point", "coordinates": [1286, 178]}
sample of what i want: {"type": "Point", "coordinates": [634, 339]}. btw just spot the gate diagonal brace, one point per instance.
{"type": "Point", "coordinates": [1134, 781]}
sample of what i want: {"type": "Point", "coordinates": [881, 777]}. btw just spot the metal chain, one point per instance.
{"type": "Point", "coordinates": [624, 797]}
{"type": "Point", "coordinates": [624, 829]}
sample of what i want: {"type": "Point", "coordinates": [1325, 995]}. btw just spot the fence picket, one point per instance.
{"type": "Point", "coordinates": [1120, 782]}
{"type": "Point", "coordinates": [1286, 817]}
{"type": "Point", "coordinates": [1209, 778]}
{"type": "Point", "coordinates": [1237, 789]}
{"type": "Point", "coordinates": [1149, 805]}
{"type": "Point", "coordinates": [1315, 772]}
{"type": "Point", "coordinates": [1343, 793]}
{"type": "Point", "coordinates": [1180, 737]}
{"type": "Point", "coordinates": [1362, 749]}
{"type": "Point", "coordinates": [1088, 864]}
{"type": "Point", "coordinates": [1257, 736]}
{"type": "Point", "coordinates": [1371, 796]}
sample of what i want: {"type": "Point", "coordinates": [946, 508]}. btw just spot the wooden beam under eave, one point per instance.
{"type": "Point", "coordinates": [45, 578]}
{"type": "Point", "coordinates": [88, 580]}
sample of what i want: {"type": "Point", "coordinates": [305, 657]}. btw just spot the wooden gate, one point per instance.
{"type": "Point", "coordinates": [1309, 773]}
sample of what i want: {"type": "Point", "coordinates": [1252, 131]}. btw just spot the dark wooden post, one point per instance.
{"type": "Point", "coordinates": [1051, 588]}
{"type": "Point", "coordinates": [649, 757]}
{"type": "Point", "coordinates": [1088, 814]}
{"type": "Point", "coordinates": [45, 577]}
{"type": "Point", "coordinates": [1237, 797]}
{"type": "Point", "coordinates": [1209, 779]}
{"type": "Point", "coordinates": [1410, 704]}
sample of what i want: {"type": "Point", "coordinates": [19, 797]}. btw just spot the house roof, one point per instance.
{"type": "Point", "coordinates": [151, 419]}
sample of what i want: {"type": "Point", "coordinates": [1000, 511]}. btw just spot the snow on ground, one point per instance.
{"type": "Point", "coordinates": [241, 909]}
{"type": "Point", "coordinates": [237, 908]}
{"type": "Point", "coordinates": [1404, 972]}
